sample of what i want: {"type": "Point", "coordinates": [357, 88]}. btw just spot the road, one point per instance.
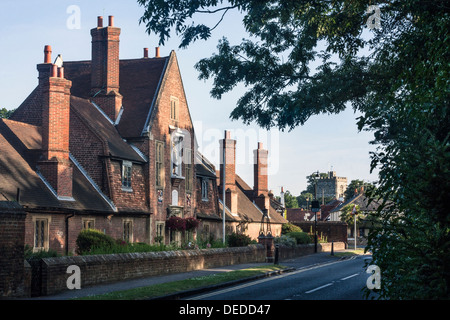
{"type": "Point", "coordinates": [330, 280]}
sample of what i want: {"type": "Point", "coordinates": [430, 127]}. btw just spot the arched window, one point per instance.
{"type": "Point", "coordinates": [174, 197]}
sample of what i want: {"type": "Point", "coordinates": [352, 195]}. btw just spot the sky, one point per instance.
{"type": "Point", "coordinates": [324, 143]}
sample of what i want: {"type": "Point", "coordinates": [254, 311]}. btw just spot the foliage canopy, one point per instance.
{"type": "Point", "coordinates": [396, 76]}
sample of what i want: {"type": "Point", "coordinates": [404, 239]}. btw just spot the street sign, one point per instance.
{"type": "Point", "coordinates": [315, 206]}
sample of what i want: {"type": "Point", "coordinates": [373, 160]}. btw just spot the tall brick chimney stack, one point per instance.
{"type": "Point", "coordinates": [260, 185]}
{"type": "Point", "coordinates": [55, 165]}
{"type": "Point", "coordinates": [228, 146]}
{"type": "Point", "coordinates": [44, 69]}
{"type": "Point", "coordinates": [260, 176]}
{"type": "Point", "coordinates": [105, 68]}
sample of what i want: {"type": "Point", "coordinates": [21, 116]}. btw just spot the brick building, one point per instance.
{"type": "Point", "coordinates": [109, 144]}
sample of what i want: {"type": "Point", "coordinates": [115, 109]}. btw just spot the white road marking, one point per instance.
{"type": "Point", "coordinates": [263, 280]}
{"type": "Point", "coordinates": [353, 275]}
{"type": "Point", "coordinates": [321, 287]}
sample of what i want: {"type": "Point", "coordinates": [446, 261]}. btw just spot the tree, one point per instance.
{"type": "Point", "coordinates": [397, 76]}
{"type": "Point", "coordinates": [348, 217]}
{"type": "Point", "coordinates": [353, 185]}
{"type": "Point", "coordinates": [311, 180]}
{"type": "Point", "coordinates": [304, 199]}
{"type": "Point", "coordinates": [5, 114]}
{"type": "Point", "coordinates": [290, 201]}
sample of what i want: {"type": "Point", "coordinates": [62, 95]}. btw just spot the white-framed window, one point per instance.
{"type": "Point", "coordinates": [128, 230]}
{"type": "Point", "coordinates": [177, 155]}
{"type": "Point", "coordinates": [41, 233]}
{"type": "Point", "coordinates": [159, 164]}
{"type": "Point", "coordinates": [127, 169]}
{"type": "Point", "coordinates": [205, 184]}
{"type": "Point", "coordinates": [88, 223]}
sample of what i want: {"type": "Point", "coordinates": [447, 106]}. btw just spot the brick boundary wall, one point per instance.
{"type": "Point", "coordinates": [334, 230]}
{"type": "Point", "coordinates": [285, 252]}
{"type": "Point", "coordinates": [101, 269]}
{"type": "Point", "coordinates": [15, 273]}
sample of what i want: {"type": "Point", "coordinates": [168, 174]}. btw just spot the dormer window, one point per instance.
{"type": "Point", "coordinates": [126, 175]}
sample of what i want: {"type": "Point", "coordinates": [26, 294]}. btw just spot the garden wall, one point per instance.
{"type": "Point", "coordinates": [108, 268]}
{"type": "Point", "coordinates": [15, 274]}
{"type": "Point", "coordinates": [285, 252]}
{"type": "Point", "coordinates": [100, 269]}
{"type": "Point", "coordinates": [332, 230]}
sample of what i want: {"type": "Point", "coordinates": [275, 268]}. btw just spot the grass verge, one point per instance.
{"type": "Point", "coordinates": [163, 289]}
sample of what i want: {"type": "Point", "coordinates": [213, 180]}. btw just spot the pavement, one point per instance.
{"type": "Point", "coordinates": [291, 264]}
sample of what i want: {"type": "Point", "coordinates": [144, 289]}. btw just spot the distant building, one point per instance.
{"type": "Point", "coordinates": [331, 186]}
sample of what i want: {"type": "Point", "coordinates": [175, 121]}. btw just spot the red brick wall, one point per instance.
{"type": "Point", "coordinates": [134, 200]}
{"type": "Point", "coordinates": [306, 249]}
{"type": "Point", "coordinates": [172, 86]}
{"type": "Point", "coordinates": [110, 225]}
{"type": "Point", "coordinates": [87, 148]}
{"type": "Point", "coordinates": [334, 231]}
{"type": "Point", "coordinates": [212, 205]}
{"type": "Point", "coordinates": [100, 269]}
{"type": "Point", "coordinates": [12, 234]}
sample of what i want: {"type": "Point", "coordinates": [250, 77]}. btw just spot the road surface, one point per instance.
{"type": "Point", "coordinates": [331, 280]}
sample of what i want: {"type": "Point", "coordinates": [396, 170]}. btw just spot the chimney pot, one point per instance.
{"type": "Point", "coordinates": [61, 72]}
{"type": "Point", "coordinates": [47, 54]}
{"type": "Point", "coordinates": [157, 52]}
{"type": "Point", "coordinates": [99, 22]}
{"type": "Point", "coordinates": [54, 73]}
{"type": "Point", "coordinates": [145, 52]}
{"type": "Point", "coordinates": [227, 134]}
{"type": "Point", "coordinates": [111, 21]}
{"type": "Point", "coordinates": [260, 145]}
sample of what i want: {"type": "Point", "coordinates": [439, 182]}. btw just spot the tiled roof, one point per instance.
{"type": "Point", "coordinates": [20, 148]}
{"type": "Point", "coordinates": [325, 209]}
{"type": "Point", "coordinates": [139, 81]}
{"type": "Point", "coordinates": [117, 147]}
{"type": "Point", "coordinates": [362, 201]}
{"type": "Point", "coordinates": [247, 209]}
{"type": "Point", "coordinates": [298, 214]}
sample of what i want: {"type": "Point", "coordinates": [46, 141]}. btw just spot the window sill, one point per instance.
{"type": "Point", "coordinates": [126, 189]}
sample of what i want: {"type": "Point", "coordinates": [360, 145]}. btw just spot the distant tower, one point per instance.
{"type": "Point", "coordinates": [332, 186]}
{"type": "Point", "coordinates": [282, 197]}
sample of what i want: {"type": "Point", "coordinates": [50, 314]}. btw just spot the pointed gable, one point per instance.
{"type": "Point", "coordinates": [139, 83]}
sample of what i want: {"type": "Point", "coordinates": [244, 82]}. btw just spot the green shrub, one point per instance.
{"type": "Point", "coordinates": [285, 240]}
{"type": "Point", "coordinates": [238, 240]}
{"type": "Point", "coordinates": [89, 239]}
{"type": "Point", "coordinates": [29, 254]}
{"type": "Point", "coordinates": [300, 237]}
{"type": "Point", "coordinates": [289, 227]}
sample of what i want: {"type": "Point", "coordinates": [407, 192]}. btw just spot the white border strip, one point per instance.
{"type": "Point", "coordinates": [102, 112]}
{"type": "Point", "coordinates": [49, 186]}
{"type": "Point", "coordinates": [138, 152]}
{"type": "Point", "coordinates": [78, 165]}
